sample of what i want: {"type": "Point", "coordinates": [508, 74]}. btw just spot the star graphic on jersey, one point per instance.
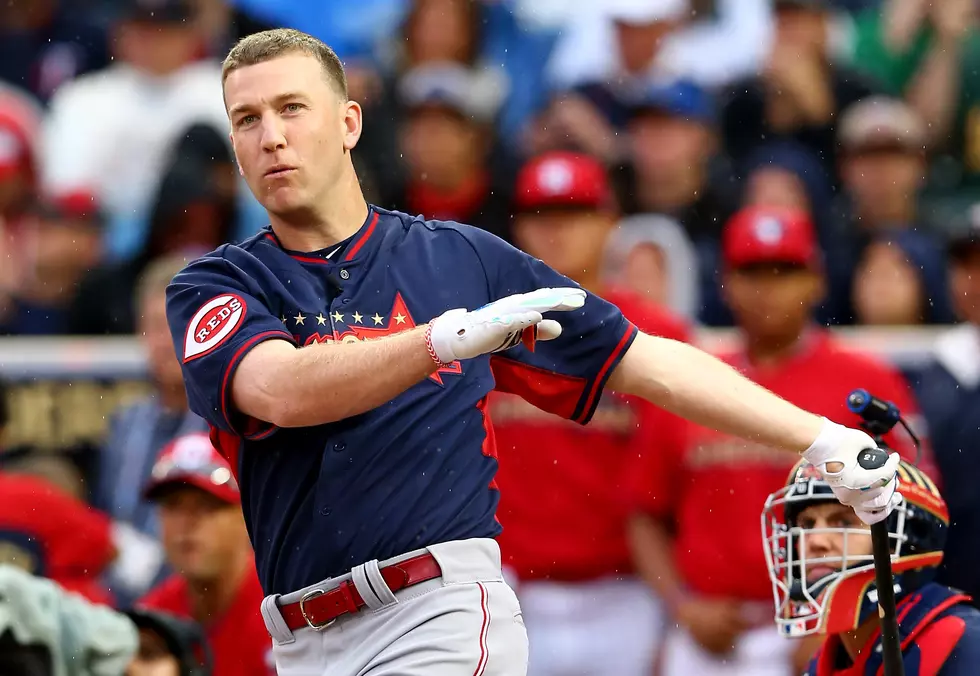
{"type": "Point", "coordinates": [357, 317]}
{"type": "Point", "coordinates": [299, 318]}
{"type": "Point", "coordinates": [283, 319]}
{"type": "Point", "coordinates": [337, 317]}
{"type": "Point", "coordinates": [321, 320]}
{"type": "Point", "coordinates": [398, 309]}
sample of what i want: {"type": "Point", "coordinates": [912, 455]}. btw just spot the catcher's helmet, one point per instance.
{"type": "Point", "coordinates": [841, 600]}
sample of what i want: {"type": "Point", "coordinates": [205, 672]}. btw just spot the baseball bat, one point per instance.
{"type": "Point", "coordinates": [891, 647]}
{"type": "Point", "coordinates": [879, 417]}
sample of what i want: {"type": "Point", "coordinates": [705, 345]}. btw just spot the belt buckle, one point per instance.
{"type": "Point", "coordinates": [302, 609]}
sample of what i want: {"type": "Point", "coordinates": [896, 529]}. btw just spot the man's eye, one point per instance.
{"type": "Point", "coordinates": [247, 119]}
{"type": "Point", "coordinates": [293, 107]}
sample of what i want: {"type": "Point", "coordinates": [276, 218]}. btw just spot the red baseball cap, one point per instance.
{"type": "Point", "coordinates": [563, 179]}
{"type": "Point", "coordinates": [769, 235]}
{"type": "Point", "coordinates": [193, 460]}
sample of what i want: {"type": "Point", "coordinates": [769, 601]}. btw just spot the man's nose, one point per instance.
{"type": "Point", "coordinates": [273, 134]}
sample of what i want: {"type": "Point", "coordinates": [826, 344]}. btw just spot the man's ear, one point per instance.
{"type": "Point", "coordinates": [352, 124]}
{"type": "Point", "coordinates": [231, 138]}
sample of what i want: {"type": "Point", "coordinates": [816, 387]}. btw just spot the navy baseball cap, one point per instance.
{"type": "Point", "coordinates": [680, 98]}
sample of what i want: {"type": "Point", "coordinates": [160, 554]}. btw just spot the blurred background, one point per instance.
{"type": "Point", "coordinates": [697, 155]}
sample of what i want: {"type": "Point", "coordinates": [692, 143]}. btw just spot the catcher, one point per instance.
{"type": "Point", "coordinates": [823, 578]}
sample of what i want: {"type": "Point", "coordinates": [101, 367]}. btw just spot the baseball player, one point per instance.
{"type": "Point", "coordinates": [343, 356]}
{"type": "Point", "coordinates": [720, 621]}
{"type": "Point", "coordinates": [823, 579]}
{"type": "Point", "coordinates": [58, 536]}
{"type": "Point", "coordinates": [567, 548]}
{"type": "Point", "coordinates": [205, 540]}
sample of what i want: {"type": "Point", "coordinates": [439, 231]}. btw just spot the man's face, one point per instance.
{"type": "Point", "coordinates": [153, 657]}
{"type": "Point", "coordinates": [201, 534]}
{"type": "Point", "coordinates": [875, 176]}
{"type": "Point", "coordinates": [832, 546]}
{"type": "Point", "coordinates": [663, 144]}
{"type": "Point", "coordinates": [65, 248]}
{"type": "Point", "coordinates": [154, 333]}
{"type": "Point", "coordinates": [291, 131]}
{"type": "Point", "coordinates": [440, 147]}
{"type": "Point", "coordinates": [158, 48]}
{"type": "Point", "coordinates": [571, 242]}
{"type": "Point", "coordinates": [965, 285]}
{"type": "Point", "coordinates": [773, 302]}
{"type": "Point", "coordinates": [887, 288]}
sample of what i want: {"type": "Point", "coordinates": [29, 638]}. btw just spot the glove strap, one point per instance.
{"type": "Point", "coordinates": [431, 349]}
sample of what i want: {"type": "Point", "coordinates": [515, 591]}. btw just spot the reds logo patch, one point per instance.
{"type": "Point", "coordinates": [212, 325]}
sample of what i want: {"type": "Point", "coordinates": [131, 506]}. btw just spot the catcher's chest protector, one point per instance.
{"type": "Point", "coordinates": [929, 634]}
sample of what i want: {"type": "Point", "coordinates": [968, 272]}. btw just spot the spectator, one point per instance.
{"type": "Point", "coordinates": [45, 631]}
{"type": "Point", "coordinates": [20, 120]}
{"type": "Point", "coordinates": [136, 435]}
{"type": "Point", "coordinates": [204, 536]}
{"type": "Point", "coordinates": [567, 549]}
{"type": "Point", "coordinates": [653, 256]}
{"type": "Point", "coordinates": [673, 170]}
{"type": "Point", "coordinates": [109, 133]}
{"type": "Point", "coordinates": [44, 44]}
{"type": "Point", "coordinates": [195, 211]}
{"type": "Point", "coordinates": [929, 53]}
{"type": "Point", "coordinates": [168, 646]}
{"type": "Point", "coordinates": [51, 533]}
{"type": "Point", "coordinates": [787, 175]}
{"type": "Point", "coordinates": [799, 93]}
{"type": "Point", "coordinates": [619, 42]}
{"type": "Point", "coordinates": [448, 146]}
{"type": "Point", "coordinates": [63, 237]}
{"type": "Point", "coordinates": [901, 281]}
{"type": "Point", "coordinates": [949, 389]}
{"type": "Point", "coordinates": [772, 279]}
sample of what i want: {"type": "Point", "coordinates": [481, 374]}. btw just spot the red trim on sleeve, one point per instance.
{"type": "Point", "coordinates": [362, 240]}
{"type": "Point", "coordinates": [233, 364]}
{"type": "Point", "coordinates": [227, 445]}
{"type": "Point", "coordinates": [549, 391]}
{"type": "Point", "coordinates": [614, 357]}
{"type": "Point", "coordinates": [489, 446]}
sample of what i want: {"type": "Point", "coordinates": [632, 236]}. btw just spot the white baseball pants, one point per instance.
{"type": "Point", "coordinates": [466, 623]}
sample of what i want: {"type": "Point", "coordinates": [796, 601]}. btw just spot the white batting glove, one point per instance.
{"type": "Point", "coordinates": [870, 492]}
{"type": "Point", "coordinates": [500, 325]}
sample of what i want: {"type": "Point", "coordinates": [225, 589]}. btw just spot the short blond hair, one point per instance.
{"type": "Point", "coordinates": [271, 44]}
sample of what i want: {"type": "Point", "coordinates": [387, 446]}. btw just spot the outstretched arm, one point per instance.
{"type": "Point", "coordinates": [694, 385]}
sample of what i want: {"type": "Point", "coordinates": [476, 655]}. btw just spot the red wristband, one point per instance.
{"type": "Point", "coordinates": [432, 350]}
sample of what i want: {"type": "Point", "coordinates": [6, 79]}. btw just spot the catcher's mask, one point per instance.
{"type": "Point", "coordinates": [842, 593]}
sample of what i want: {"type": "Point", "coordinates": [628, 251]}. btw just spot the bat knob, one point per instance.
{"type": "Point", "coordinates": [872, 458]}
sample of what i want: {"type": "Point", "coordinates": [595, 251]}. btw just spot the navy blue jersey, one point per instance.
{"type": "Point", "coordinates": [418, 470]}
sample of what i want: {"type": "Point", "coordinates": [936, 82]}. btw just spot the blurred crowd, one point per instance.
{"type": "Point", "coordinates": [778, 166]}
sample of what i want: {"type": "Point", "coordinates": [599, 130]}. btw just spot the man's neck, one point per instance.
{"type": "Point", "coordinates": [211, 599]}
{"type": "Point", "coordinates": [340, 213]}
{"type": "Point", "coordinates": [768, 352]}
{"type": "Point", "coordinates": [856, 641]}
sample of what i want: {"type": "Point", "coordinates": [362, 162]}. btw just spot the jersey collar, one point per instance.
{"type": "Point", "coordinates": [344, 252]}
